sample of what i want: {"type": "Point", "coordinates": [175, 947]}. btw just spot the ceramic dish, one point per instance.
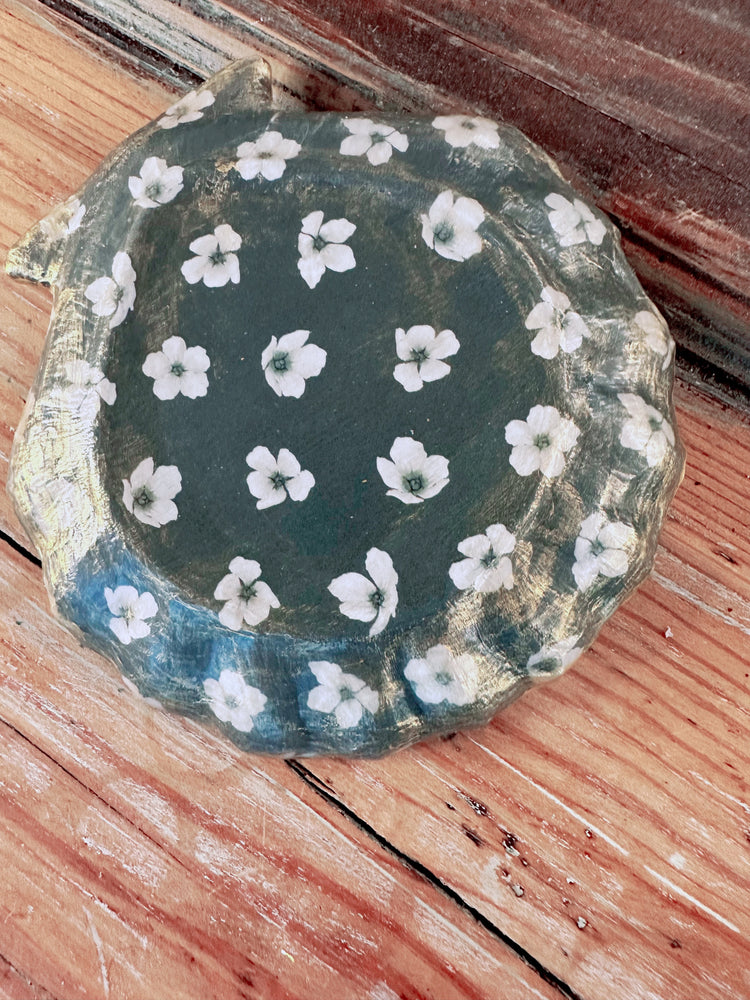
{"type": "Point", "coordinates": [348, 428]}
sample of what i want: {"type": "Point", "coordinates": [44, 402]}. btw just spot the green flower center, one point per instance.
{"type": "Point", "coordinates": [377, 598]}
{"type": "Point", "coordinates": [280, 362]}
{"type": "Point", "coordinates": [489, 559]}
{"type": "Point", "coordinates": [542, 441]}
{"type": "Point", "coordinates": [419, 354]}
{"type": "Point", "coordinates": [443, 232]}
{"type": "Point", "coordinates": [654, 423]}
{"type": "Point", "coordinates": [177, 369]}
{"type": "Point", "coordinates": [247, 590]}
{"type": "Point", "coordinates": [443, 678]}
{"type": "Point", "coordinates": [143, 497]}
{"type": "Point", "coordinates": [414, 482]}
{"type": "Point", "coordinates": [319, 243]}
{"type": "Point", "coordinates": [346, 694]}
{"type": "Point", "coordinates": [279, 480]}
{"type": "Point", "coordinates": [597, 547]}
{"type": "Point", "coordinates": [217, 257]}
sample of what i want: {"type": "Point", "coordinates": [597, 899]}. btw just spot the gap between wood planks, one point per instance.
{"type": "Point", "coordinates": [319, 787]}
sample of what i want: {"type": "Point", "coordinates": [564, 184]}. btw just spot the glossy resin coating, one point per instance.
{"type": "Point", "coordinates": [348, 428]}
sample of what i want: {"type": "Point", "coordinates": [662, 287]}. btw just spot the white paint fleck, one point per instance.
{"type": "Point", "coordinates": [128, 851]}
{"type": "Point", "coordinates": [581, 922]}
{"type": "Point", "coordinates": [518, 890]}
{"type": "Point", "coordinates": [381, 991]}
{"type": "Point", "coordinates": [668, 633]}
{"type": "Point", "coordinates": [696, 902]}
{"type": "Point", "coordinates": [677, 860]}
{"type": "Point", "coordinates": [99, 951]}
{"type": "Point", "coordinates": [152, 806]}
{"type": "Point", "coordinates": [588, 827]}
{"type": "Point", "coordinates": [37, 777]}
{"type": "Point", "coordinates": [688, 595]}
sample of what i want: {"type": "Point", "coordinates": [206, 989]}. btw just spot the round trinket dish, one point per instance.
{"type": "Point", "coordinates": [348, 428]}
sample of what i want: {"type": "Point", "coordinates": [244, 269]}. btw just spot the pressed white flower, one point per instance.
{"type": "Point", "coordinates": [114, 297]}
{"type": "Point", "coordinates": [440, 676]}
{"type": "Point", "coordinates": [87, 386]}
{"type": "Point", "coordinates": [247, 598]}
{"type": "Point", "coordinates": [157, 183]}
{"type": "Point", "coordinates": [574, 222]}
{"type": "Point", "coordinates": [450, 227]}
{"type": "Point", "coordinates": [652, 327]}
{"type": "Point", "coordinates": [422, 352]}
{"type": "Point", "coordinates": [369, 599]}
{"type": "Point", "coordinates": [553, 659]}
{"type": "Point", "coordinates": [601, 548]}
{"type": "Point", "coordinates": [345, 695]}
{"type": "Point", "coordinates": [646, 430]}
{"type": "Point", "coordinates": [273, 479]}
{"type": "Point", "coordinates": [266, 156]}
{"type": "Point", "coordinates": [149, 492]}
{"type": "Point", "coordinates": [188, 109]}
{"type": "Point", "coordinates": [560, 329]}
{"type": "Point", "coordinates": [412, 475]}
{"type": "Point", "coordinates": [130, 611]}
{"type": "Point", "coordinates": [541, 441]}
{"type": "Point", "coordinates": [64, 220]}
{"type": "Point", "coordinates": [322, 246]}
{"type": "Point", "coordinates": [289, 361]}
{"type": "Point", "coordinates": [465, 130]}
{"type": "Point", "coordinates": [487, 566]}
{"type": "Point", "coordinates": [233, 700]}
{"type": "Point", "coordinates": [376, 140]}
{"type": "Point", "coordinates": [214, 262]}
{"type": "Point", "coordinates": [177, 368]}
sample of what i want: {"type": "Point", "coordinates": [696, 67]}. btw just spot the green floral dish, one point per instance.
{"type": "Point", "coordinates": [348, 428]}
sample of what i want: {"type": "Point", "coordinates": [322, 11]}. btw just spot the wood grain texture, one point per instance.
{"type": "Point", "coordinates": [645, 107]}
{"type": "Point", "coordinates": [621, 788]}
{"type": "Point", "coordinates": [154, 859]}
{"type": "Point", "coordinates": [594, 841]}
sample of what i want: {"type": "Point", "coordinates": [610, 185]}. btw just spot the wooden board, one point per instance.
{"type": "Point", "coordinates": [644, 105]}
{"type": "Point", "coordinates": [593, 842]}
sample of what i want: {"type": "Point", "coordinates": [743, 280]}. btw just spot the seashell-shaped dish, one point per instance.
{"type": "Point", "coordinates": [348, 428]}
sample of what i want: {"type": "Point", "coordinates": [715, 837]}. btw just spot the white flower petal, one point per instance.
{"type": "Point", "coordinates": [348, 713]}
{"type": "Point", "coordinates": [464, 572]}
{"type": "Point", "coordinates": [355, 145]}
{"type": "Point", "coordinates": [389, 473]}
{"type": "Point", "coordinates": [260, 458]}
{"type": "Point", "coordinates": [380, 567]}
{"type": "Point", "coordinates": [408, 375]}
{"type": "Point", "coordinates": [194, 269]}
{"type": "Point", "coordinates": [323, 699]}
{"type": "Point", "coordinates": [299, 486]}
{"type": "Point", "coordinates": [338, 257]}
{"type": "Point", "coordinates": [312, 269]}
{"type": "Point", "coordinates": [337, 230]}
{"type": "Point", "coordinates": [407, 453]}
{"type": "Point", "coordinates": [525, 459]}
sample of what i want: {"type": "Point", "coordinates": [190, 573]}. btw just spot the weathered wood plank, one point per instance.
{"type": "Point", "coordinates": [622, 788]}
{"type": "Point", "coordinates": [152, 859]}
{"type": "Point", "coordinates": [651, 121]}
{"type": "Point", "coordinates": [643, 745]}
{"type": "Point", "coordinates": [15, 986]}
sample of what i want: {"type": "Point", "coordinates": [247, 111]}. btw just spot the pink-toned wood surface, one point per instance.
{"type": "Point", "coordinates": [645, 103]}
{"type": "Point", "coordinates": [593, 842]}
